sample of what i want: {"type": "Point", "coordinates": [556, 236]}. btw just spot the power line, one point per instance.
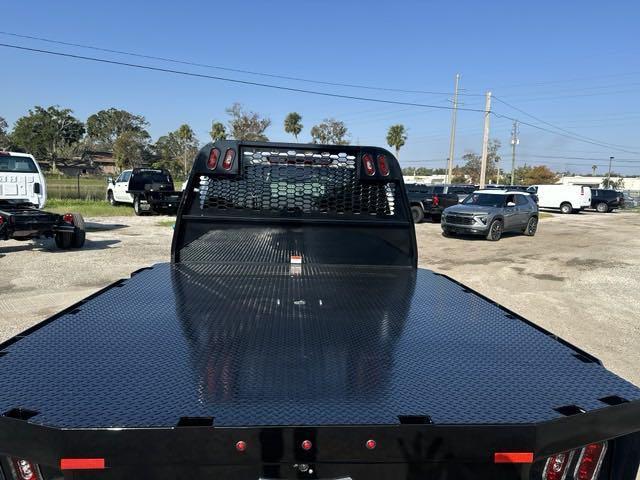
{"type": "Point", "coordinates": [228, 69]}
{"type": "Point", "coordinates": [556, 127]}
{"type": "Point", "coordinates": [566, 136]}
{"type": "Point", "coordinates": [234, 80]}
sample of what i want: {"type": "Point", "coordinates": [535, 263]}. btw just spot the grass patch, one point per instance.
{"type": "Point", "coordinates": [88, 208]}
{"type": "Point", "coordinates": [170, 222]}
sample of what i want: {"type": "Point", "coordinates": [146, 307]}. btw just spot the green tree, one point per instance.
{"type": "Point", "coordinates": [218, 132]}
{"type": "Point", "coordinates": [330, 131]}
{"type": "Point", "coordinates": [293, 124]}
{"type": "Point", "coordinates": [4, 137]}
{"type": "Point", "coordinates": [409, 171]}
{"type": "Point", "coordinates": [536, 175]}
{"type": "Point", "coordinates": [422, 171]}
{"type": "Point", "coordinates": [246, 125]}
{"type": "Point", "coordinates": [397, 137]}
{"type": "Point", "coordinates": [130, 149]}
{"type": "Point", "coordinates": [457, 175]}
{"type": "Point", "coordinates": [46, 132]}
{"type": "Point", "coordinates": [610, 181]}
{"type": "Point", "coordinates": [473, 162]}
{"type": "Point", "coordinates": [105, 126]}
{"type": "Point", "coordinates": [177, 149]}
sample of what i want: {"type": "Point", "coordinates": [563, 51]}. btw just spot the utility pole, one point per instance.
{"type": "Point", "coordinates": [609, 174]}
{"type": "Point", "coordinates": [452, 140]}
{"type": "Point", "coordinates": [514, 141]}
{"type": "Point", "coordinates": [485, 141]}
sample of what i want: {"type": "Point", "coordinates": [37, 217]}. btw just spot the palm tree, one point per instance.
{"type": "Point", "coordinates": [397, 137]}
{"type": "Point", "coordinates": [292, 124]}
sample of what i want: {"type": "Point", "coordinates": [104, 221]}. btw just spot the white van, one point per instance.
{"type": "Point", "coordinates": [566, 198]}
{"type": "Point", "coordinates": [21, 179]}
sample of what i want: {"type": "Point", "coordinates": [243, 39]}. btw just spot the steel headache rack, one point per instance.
{"type": "Point", "coordinates": [293, 336]}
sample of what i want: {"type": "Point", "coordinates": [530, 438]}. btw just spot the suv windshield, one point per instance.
{"type": "Point", "coordinates": [484, 200]}
{"type": "Point", "coordinates": [17, 165]}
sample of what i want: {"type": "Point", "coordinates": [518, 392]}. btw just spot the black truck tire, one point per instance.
{"type": "Point", "coordinates": [80, 233]}
{"type": "Point", "coordinates": [417, 213]}
{"type": "Point", "coordinates": [63, 240]}
{"type": "Point", "coordinates": [111, 199]}
{"type": "Point", "coordinates": [602, 207]}
{"type": "Point", "coordinates": [532, 227]}
{"type": "Point", "coordinates": [495, 230]}
{"type": "Point", "coordinates": [136, 207]}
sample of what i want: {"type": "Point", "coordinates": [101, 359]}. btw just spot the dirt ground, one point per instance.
{"type": "Point", "coordinates": [578, 277]}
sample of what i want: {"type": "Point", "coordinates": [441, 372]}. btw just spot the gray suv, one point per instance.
{"type": "Point", "coordinates": [492, 212]}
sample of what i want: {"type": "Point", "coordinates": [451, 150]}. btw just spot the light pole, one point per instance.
{"type": "Point", "coordinates": [609, 174]}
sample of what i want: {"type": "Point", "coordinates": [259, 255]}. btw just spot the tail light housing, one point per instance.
{"type": "Point", "coordinates": [587, 467]}
{"type": "Point", "coordinates": [212, 161]}
{"type": "Point", "coordinates": [24, 469]}
{"type": "Point", "coordinates": [590, 461]}
{"type": "Point", "coordinates": [436, 200]}
{"type": "Point", "coordinates": [68, 217]}
{"type": "Point", "coordinates": [369, 166]}
{"type": "Point", "coordinates": [383, 165]}
{"type": "Point", "coordinates": [229, 156]}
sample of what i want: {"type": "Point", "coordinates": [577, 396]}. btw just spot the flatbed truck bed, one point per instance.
{"type": "Point", "coordinates": [279, 360]}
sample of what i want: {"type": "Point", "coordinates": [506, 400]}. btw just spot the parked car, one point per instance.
{"type": "Point", "coordinates": [566, 198]}
{"type": "Point", "coordinates": [431, 200]}
{"type": "Point", "coordinates": [606, 200]}
{"type": "Point", "coordinates": [23, 193]}
{"type": "Point", "coordinates": [491, 212]}
{"type": "Point", "coordinates": [148, 190]}
{"type": "Point", "coordinates": [630, 201]}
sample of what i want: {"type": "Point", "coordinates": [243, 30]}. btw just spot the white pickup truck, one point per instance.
{"type": "Point", "coordinates": [148, 190]}
{"type": "Point", "coordinates": [23, 193]}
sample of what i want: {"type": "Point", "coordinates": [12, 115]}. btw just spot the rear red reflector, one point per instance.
{"type": "Point", "coordinates": [241, 446]}
{"type": "Point", "coordinates": [367, 163]}
{"type": "Point", "coordinates": [590, 461]}
{"type": "Point", "coordinates": [371, 444]}
{"type": "Point", "coordinates": [214, 155]}
{"type": "Point", "coordinates": [306, 445]}
{"type": "Point", "coordinates": [513, 457]}
{"type": "Point", "coordinates": [229, 155]}
{"type": "Point", "coordinates": [383, 166]}
{"type": "Point", "coordinates": [557, 466]}
{"type": "Point", "coordinates": [82, 464]}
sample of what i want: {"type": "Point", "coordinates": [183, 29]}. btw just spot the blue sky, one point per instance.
{"type": "Point", "coordinates": [573, 64]}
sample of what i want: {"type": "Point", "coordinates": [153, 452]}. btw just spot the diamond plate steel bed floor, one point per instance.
{"type": "Point", "coordinates": [268, 345]}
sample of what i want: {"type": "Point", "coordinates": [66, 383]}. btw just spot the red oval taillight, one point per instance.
{"type": "Point", "coordinates": [383, 166]}
{"type": "Point", "coordinates": [367, 163]}
{"type": "Point", "coordinates": [241, 446]}
{"type": "Point", "coordinates": [306, 445]}
{"type": "Point", "coordinates": [227, 162]}
{"type": "Point", "coordinates": [371, 444]}
{"type": "Point", "coordinates": [590, 461]}
{"type": "Point", "coordinates": [214, 155]}
{"type": "Point", "coordinates": [557, 466]}
{"type": "Point", "coordinates": [68, 217]}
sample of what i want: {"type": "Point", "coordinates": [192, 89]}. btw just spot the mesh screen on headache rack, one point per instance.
{"type": "Point", "coordinates": [286, 182]}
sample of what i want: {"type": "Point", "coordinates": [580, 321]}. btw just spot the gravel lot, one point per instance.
{"type": "Point", "coordinates": [578, 277]}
